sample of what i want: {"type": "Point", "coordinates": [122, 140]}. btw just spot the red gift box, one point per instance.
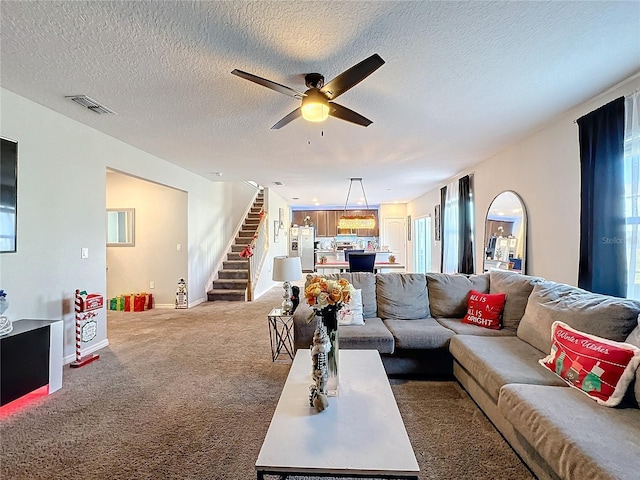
{"type": "Point", "coordinates": [138, 302]}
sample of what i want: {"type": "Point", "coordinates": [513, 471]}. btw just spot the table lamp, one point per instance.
{"type": "Point", "coordinates": [287, 269]}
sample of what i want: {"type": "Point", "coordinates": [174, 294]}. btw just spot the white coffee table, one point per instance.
{"type": "Point", "coordinates": [361, 434]}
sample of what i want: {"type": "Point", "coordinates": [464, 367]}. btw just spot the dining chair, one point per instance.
{"type": "Point", "coordinates": [362, 262]}
{"type": "Point", "coordinates": [348, 252]}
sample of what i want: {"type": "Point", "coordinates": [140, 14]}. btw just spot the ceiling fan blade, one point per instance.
{"type": "Point", "coordinates": [343, 113]}
{"type": "Point", "coordinates": [351, 77]}
{"type": "Point", "coordinates": [289, 118]}
{"type": "Point", "coordinates": [269, 84]}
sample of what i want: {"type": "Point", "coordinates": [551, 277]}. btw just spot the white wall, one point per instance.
{"type": "Point", "coordinates": [273, 202]}
{"type": "Point", "coordinates": [160, 226]}
{"type": "Point", "coordinates": [544, 169]}
{"type": "Point", "coordinates": [61, 209]}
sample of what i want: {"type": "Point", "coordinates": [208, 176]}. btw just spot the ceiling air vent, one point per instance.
{"type": "Point", "coordinates": [91, 104]}
{"type": "Point", "coordinates": [278, 183]}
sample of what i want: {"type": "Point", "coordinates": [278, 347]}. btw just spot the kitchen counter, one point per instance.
{"type": "Point", "coordinates": [320, 251]}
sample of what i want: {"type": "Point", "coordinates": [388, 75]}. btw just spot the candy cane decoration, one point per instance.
{"type": "Point", "coordinates": [80, 360]}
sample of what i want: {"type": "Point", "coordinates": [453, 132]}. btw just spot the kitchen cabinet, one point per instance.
{"type": "Point", "coordinates": [321, 223]}
{"type": "Point", "coordinates": [326, 222]}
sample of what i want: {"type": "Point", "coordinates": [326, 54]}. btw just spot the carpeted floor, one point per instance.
{"type": "Point", "coordinates": [189, 394]}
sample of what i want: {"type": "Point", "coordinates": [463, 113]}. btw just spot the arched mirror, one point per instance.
{"type": "Point", "coordinates": [505, 233]}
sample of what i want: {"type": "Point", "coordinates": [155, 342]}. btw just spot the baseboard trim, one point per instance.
{"type": "Point", "coordinates": [87, 351]}
{"type": "Point", "coordinates": [164, 306]}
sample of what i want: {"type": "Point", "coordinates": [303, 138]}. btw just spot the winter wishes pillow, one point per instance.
{"type": "Point", "coordinates": [485, 310]}
{"type": "Point", "coordinates": [351, 312]}
{"type": "Point", "coordinates": [600, 368]}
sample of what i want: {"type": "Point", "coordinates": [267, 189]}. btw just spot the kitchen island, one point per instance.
{"type": "Point", "coordinates": [340, 267]}
{"type": "Point", "coordinates": [338, 255]}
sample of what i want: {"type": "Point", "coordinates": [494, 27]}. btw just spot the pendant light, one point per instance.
{"type": "Point", "coordinates": [352, 222]}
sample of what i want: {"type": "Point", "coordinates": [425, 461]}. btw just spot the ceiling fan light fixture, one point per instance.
{"type": "Point", "coordinates": [315, 107]}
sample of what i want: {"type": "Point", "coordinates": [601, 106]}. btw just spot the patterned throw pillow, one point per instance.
{"type": "Point", "coordinates": [485, 310]}
{"type": "Point", "coordinates": [351, 313]}
{"type": "Point", "coordinates": [598, 367]}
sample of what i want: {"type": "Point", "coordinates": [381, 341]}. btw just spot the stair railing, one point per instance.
{"type": "Point", "coordinates": [256, 253]}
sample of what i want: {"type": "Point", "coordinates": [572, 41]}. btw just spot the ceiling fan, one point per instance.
{"type": "Point", "coordinates": [317, 101]}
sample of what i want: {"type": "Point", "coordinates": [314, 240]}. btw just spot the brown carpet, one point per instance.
{"type": "Point", "coordinates": [189, 394]}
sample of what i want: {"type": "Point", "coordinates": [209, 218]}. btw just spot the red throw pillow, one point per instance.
{"type": "Point", "coordinates": [485, 310]}
{"type": "Point", "coordinates": [598, 367]}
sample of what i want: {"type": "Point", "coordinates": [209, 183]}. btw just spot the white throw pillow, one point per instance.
{"type": "Point", "coordinates": [351, 313]}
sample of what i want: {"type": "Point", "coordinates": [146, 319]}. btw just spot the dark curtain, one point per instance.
{"type": "Point", "coordinates": [465, 225]}
{"type": "Point", "coordinates": [443, 198]}
{"type": "Point", "coordinates": [602, 267]}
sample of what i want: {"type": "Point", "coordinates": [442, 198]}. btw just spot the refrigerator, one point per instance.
{"type": "Point", "coordinates": [301, 244]}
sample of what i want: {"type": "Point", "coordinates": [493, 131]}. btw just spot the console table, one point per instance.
{"type": "Point", "coordinates": [31, 357]}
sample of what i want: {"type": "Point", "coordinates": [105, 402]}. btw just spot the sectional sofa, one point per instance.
{"type": "Point", "coordinates": [414, 321]}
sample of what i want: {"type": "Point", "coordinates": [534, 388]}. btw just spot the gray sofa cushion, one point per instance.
{"type": "Point", "coordinates": [402, 295]}
{"type": "Point", "coordinates": [576, 437]}
{"type": "Point", "coordinates": [373, 335]}
{"type": "Point", "coordinates": [497, 361]}
{"type": "Point", "coordinates": [361, 280]}
{"type": "Point", "coordinates": [460, 328]}
{"type": "Point", "coordinates": [448, 293]}
{"type": "Point", "coordinates": [518, 288]}
{"type": "Point", "coordinates": [420, 334]}
{"type": "Point", "coordinates": [608, 317]}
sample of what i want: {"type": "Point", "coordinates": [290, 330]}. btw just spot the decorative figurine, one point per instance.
{"type": "Point", "coordinates": [319, 373]}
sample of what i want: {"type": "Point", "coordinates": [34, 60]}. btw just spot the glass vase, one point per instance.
{"type": "Point", "coordinates": [329, 319]}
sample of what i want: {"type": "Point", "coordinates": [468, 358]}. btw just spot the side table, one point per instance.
{"type": "Point", "coordinates": [281, 336]}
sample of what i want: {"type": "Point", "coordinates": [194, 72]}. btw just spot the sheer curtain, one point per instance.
{"type": "Point", "coordinates": [451, 229]}
{"type": "Point", "coordinates": [631, 184]}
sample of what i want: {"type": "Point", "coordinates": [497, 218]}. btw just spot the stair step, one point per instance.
{"type": "Point", "coordinates": [247, 233]}
{"type": "Point", "coordinates": [229, 273]}
{"type": "Point", "coordinates": [243, 240]}
{"type": "Point", "coordinates": [226, 295]}
{"type": "Point", "coordinates": [253, 215]}
{"type": "Point", "coordinates": [230, 284]}
{"type": "Point", "coordinates": [237, 248]}
{"type": "Point", "coordinates": [240, 264]}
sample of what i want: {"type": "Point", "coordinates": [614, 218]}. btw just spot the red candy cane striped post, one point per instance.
{"type": "Point", "coordinates": [80, 360]}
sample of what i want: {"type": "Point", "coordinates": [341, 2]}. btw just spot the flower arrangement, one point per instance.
{"type": "Point", "coordinates": [392, 259]}
{"type": "Point", "coordinates": [323, 293]}
{"type": "Point", "coordinates": [323, 259]}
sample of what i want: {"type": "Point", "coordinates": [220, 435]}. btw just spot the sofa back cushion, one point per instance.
{"type": "Point", "coordinates": [402, 296]}
{"type": "Point", "coordinates": [448, 293]}
{"type": "Point", "coordinates": [518, 288]}
{"type": "Point", "coordinates": [607, 317]}
{"type": "Point", "coordinates": [361, 281]}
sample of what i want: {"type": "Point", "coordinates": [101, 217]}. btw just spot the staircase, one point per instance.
{"type": "Point", "coordinates": [231, 284]}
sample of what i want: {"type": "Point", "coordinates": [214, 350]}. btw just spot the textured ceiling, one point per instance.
{"type": "Point", "coordinates": [462, 81]}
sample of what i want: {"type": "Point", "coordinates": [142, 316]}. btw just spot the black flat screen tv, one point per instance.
{"type": "Point", "coordinates": [8, 195]}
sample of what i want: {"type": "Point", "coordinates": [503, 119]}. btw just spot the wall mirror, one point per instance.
{"type": "Point", "coordinates": [120, 227]}
{"type": "Point", "coordinates": [505, 233]}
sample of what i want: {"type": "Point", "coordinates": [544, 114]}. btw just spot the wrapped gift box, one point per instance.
{"type": "Point", "coordinates": [116, 303]}
{"type": "Point", "coordinates": [138, 302]}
